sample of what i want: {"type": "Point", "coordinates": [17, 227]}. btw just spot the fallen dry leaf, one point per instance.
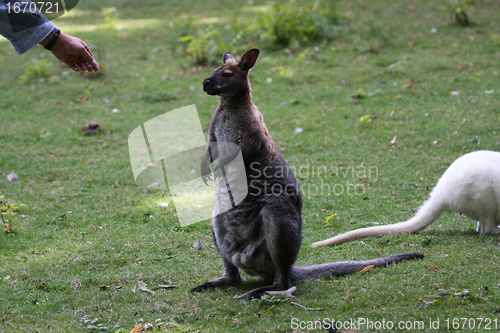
{"type": "Point", "coordinates": [83, 99]}
{"type": "Point", "coordinates": [91, 128]}
{"type": "Point", "coordinates": [409, 84]}
{"type": "Point", "coordinates": [366, 269]}
{"type": "Point", "coordinates": [136, 329]}
{"type": "Point", "coordinates": [8, 227]}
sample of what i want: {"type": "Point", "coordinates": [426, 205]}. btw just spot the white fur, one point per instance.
{"type": "Point", "coordinates": [471, 186]}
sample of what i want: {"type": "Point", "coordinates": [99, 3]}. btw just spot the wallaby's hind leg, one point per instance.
{"type": "Point", "coordinates": [230, 275]}
{"type": "Point", "coordinates": [282, 228]}
{"type": "Point", "coordinates": [488, 226]}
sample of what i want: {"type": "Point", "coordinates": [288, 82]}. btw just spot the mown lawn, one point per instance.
{"type": "Point", "coordinates": [369, 118]}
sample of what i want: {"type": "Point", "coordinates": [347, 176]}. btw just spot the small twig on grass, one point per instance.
{"type": "Point", "coordinates": [247, 293]}
{"type": "Point", "coordinates": [409, 188]}
{"type": "Point", "coordinates": [100, 313]}
{"type": "Point", "coordinates": [166, 286]}
{"type": "Point", "coordinates": [210, 315]}
{"type": "Point", "coordinates": [284, 293]}
{"type": "Point", "coordinates": [276, 293]}
{"type": "Point", "coordinates": [305, 307]}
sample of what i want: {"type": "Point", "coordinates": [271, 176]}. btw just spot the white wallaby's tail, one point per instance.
{"type": "Point", "coordinates": [427, 214]}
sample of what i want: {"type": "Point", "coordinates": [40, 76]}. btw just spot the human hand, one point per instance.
{"type": "Point", "coordinates": [75, 53]}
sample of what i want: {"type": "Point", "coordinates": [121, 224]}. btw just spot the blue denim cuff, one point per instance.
{"type": "Point", "coordinates": [23, 25]}
{"type": "Point", "coordinates": [28, 39]}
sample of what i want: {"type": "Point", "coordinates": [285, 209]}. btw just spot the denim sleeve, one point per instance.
{"type": "Point", "coordinates": [23, 27]}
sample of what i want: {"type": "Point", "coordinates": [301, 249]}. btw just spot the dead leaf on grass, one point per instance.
{"type": "Point", "coordinates": [366, 269]}
{"type": "Point", "coordinates": [8, 227]}
{"type": "Point", "coordinates": [136, 329]}
{"type": "Point", "coordinates": [91, 128]}
{"type": "Point", "coordinates": [409, 84]}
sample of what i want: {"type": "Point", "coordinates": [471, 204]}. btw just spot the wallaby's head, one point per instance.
{"type": "Point", "coordinates": [232, 77]}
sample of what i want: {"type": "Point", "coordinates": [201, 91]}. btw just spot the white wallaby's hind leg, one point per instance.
{"type": "Point", "coordinates": [487, 226]}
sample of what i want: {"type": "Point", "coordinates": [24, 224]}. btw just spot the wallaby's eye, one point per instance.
{"type": "Point", "coordinates": [227, 74]}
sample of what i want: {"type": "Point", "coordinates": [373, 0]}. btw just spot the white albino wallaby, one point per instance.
{"type": "Point", "coordinates": [470, 186]}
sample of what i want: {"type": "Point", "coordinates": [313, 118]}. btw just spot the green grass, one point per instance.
{"type": "Point", "coordinates": [88, 234]}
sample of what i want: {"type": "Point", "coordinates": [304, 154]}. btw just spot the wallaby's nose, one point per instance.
{"type": "Point", "coordinates": [206, 84]}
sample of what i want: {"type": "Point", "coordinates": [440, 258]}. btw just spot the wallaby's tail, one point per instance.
{"type": "Point", "coordinates": [339, 268]}
{"type": "Point", "coordinates": [427, 214]}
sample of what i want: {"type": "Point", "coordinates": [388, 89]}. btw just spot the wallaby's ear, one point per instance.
{"type": "Point", "coordinates": [228, 56]}
{"type": "Point", "coordinates": [249, 59]}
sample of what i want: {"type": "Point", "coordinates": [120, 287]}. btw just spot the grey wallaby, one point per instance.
{"type": "Point", "coordinates": [261, 235]}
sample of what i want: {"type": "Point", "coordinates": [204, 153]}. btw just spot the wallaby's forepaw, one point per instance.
{"type": "Point", "coordinates": [206, 173]}
{"type": "Point", "coordinates": [206, 178]}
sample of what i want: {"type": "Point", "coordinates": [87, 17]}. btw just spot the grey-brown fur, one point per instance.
{"type": "Point", "coordinates": [261, 235]}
